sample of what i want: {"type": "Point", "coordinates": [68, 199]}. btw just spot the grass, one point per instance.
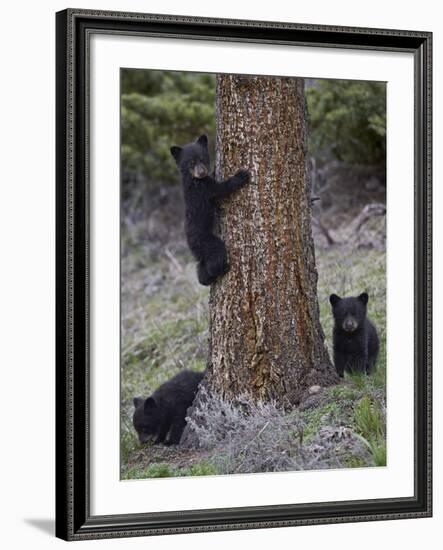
{"type": "Point", "coordinates": [163, 469]}
{"type": "Point", "coordinates": [164, 328]}
{"type": "Point", "coordinates": [370, 423]}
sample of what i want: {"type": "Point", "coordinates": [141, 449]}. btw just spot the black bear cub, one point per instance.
{"type": "Point", "coordinates": [201, 193]}
{"type": "Point", "coordinates": [355, 338]}
{"type": "Point", "coordinates": [162, 415]}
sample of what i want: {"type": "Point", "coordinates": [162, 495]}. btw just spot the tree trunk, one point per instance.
{"type": "Point", "coordinates": [266, 340]}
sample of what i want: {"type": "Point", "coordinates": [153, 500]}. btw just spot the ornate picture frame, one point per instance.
{"type": "Point", "coordinates": [74, 29]}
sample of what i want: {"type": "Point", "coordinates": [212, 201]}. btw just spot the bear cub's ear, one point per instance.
{"type": "Point", "coordinates": [333, 298]}
{"type": "Point", "coordinates": [150, 403]}
{"type": "Point", "coordinates": [203, 140]}
{"type": "Point", "coordinates": [176, 151]}
{"type": "Point", "coordinates": [137, 401]}
{"type": "Point", "coordinates": [364, 298]}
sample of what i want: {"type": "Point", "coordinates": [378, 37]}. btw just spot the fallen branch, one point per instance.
{"type": "Point", "coordinates": [370, 210]}
{"type": "Point", "coordinates": [318, 223]}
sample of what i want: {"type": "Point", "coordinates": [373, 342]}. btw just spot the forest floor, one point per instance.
{"type": "Point", "coordinates": [164, 329]}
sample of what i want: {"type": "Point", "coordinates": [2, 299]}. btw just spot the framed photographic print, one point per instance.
{"type": "Point", "coordinates": [243, 274]}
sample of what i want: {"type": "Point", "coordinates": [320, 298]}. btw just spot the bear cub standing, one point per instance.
{"type": "Point", "coordinates": [163, 415]}
{"type": "Point", "coordinates": [355, 339]}
{"type": "Point", "coordinates": [201, 193]}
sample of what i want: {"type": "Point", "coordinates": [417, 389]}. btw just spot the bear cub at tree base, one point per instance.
{"type": "Point", "coordinates": [355, 339]}
{"type": "Point", "coordinates": [163, 415]}
{"type": "Point", "coordinates": [201, 194]}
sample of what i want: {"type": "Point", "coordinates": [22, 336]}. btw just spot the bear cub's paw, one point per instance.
{"type": "Point", "coordinates": [243, 176]}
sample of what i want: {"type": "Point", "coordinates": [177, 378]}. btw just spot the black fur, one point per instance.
{"type": "Point", "coordinates": [201, 193]}
{"type": "Point", "coordinates": [355, 339]}
{"type": "Point", "coordinates": [162, 415]}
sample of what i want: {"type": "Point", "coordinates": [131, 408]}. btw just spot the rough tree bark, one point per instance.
{"type": "Point", "coordinates": [266, 340]}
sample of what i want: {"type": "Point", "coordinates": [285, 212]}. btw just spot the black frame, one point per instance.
{"type": "Point", "coordinates": [73, 518]}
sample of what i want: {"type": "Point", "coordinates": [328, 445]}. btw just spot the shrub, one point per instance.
{"type": "Point", "coordinates": [249, 437]}
{"type": "Point", "coordinates": [348, 119]}
{"type": "Point", "coordinates": [158, 109]}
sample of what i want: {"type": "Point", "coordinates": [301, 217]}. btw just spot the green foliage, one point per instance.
{"type": "Point", "coordinates": [355, 461]}
{"type": "Point", "coordinates": [379, 453]}
{"type": "Point", "coordinates": [162, 469]}
{"type": "Point", "coordinates": [315, 418]}
{"type": "Point", "coordinates": [368, 418]}
{"type": "Point", "coordinates": [160, 109]}
{"type": "Point", "coordinates": [348, 119]}
{"type": "Point", "coordinates": [203, 468]}
{"type": "Point", "coordinates": [370, 423]}
{"type": "Point", "coordinates": [128, 439]}
{"type": "Point", "coordinates": [153, 470]}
